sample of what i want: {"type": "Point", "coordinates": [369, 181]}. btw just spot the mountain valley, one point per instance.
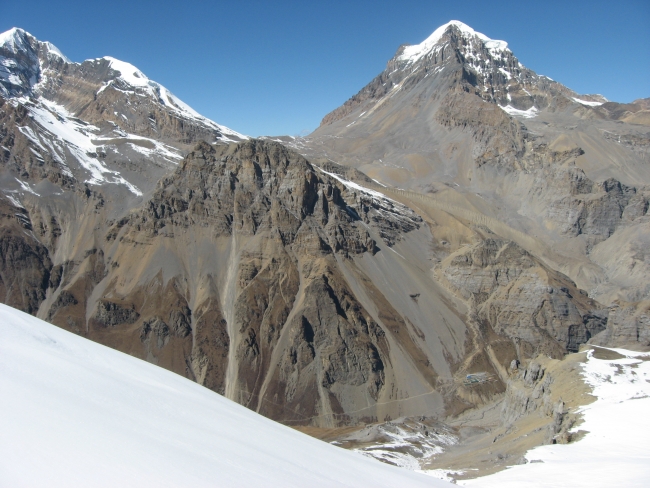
{"type": "Point", "coordinates": [457, 224]}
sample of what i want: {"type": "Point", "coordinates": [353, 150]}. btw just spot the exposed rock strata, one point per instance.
{"type": "Point", "coordinates": [628, 326]}
{"type": "Point", "coordinates": [522, 299]}
{"type": "Point", "coordinates": [24, 262]}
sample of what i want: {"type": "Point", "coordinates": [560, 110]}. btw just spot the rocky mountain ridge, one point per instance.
{"type": "Point", "coordinates": [458, 118]}
{"type": "Point", "coordinates": [100, 122]}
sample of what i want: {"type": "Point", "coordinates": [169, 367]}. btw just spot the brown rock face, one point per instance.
{"type": "Point", "coordinates": [521, 298]}
{"type": "Point", "coordinates": [24, 262]}
{"type": "Point", "coordinates": [242, 271]}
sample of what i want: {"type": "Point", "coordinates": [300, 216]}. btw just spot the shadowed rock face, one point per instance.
{"type": "Point", "coordinates": [522, 299]}
{"type": "Point", "coordinates": [24, 262]}
{"type": "Point", "coordinates": [628, 326]}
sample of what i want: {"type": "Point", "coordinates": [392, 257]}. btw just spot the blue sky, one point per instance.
{"type": "Point", "coordinates": [271, 68]}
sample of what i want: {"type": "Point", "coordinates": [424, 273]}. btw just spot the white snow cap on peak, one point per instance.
{"type": "Point", "coordinates": [128, 72]}
{"type": "Point", "coordinates": [14, 40]}
{"type": "Point", "coordinates": [52, 49]}
{"type": "Point", "coordinates": [413, 53]}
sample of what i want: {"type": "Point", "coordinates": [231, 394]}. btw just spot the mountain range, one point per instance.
{"type": "Point", "coordinates": [459, 215]}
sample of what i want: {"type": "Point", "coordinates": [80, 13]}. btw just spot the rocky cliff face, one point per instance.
{"type": "Point", "coordinates": [25, 266]}
{"type": "Point", "coordinates": [628, 326]}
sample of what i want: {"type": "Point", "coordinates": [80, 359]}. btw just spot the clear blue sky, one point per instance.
{"type": "Point", "coordinates": [271, 68]}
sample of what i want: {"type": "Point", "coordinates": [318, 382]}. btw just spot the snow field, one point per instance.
{"type": "Point", "coordinates": [616, 449]}
{"type": "Point", "coordinates": [75, 413]}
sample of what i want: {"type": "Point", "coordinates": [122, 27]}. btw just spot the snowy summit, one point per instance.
{"type": "Point", "coordinates": [415, 52]}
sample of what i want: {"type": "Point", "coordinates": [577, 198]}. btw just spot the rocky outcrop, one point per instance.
{"type": "Point", "coordinates": [110, 314]}
{"type": "Point", "coordinates": [522, 299]}
{"type": "Point", "coordinates": [24, 262]}
{"type": "Point", "coordinates": [529, 393]}
{"type": "Point", "coordinates": [588, 208]}
{"type": "Point", "coordinates": [628, 326]}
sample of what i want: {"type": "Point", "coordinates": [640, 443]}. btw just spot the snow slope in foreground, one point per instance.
{"type": "Point", "coordinates": [75, 413]}
{"type": "Point", "coordinates": [616, 450]}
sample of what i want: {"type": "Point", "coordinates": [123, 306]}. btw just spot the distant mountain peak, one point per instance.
{"type": "Point", "coordinates": [25, 61]}
{"type": "Point", "coordinates": [413, 53]}
{"type": "Point", "coordinates": [453, 57]}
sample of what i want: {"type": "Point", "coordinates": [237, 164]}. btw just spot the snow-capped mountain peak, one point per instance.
{"type": "Point", "coordinates": [455, 55]}
{"type": "Point", "coordinates": [98, 122]}
{"type": "Point", "coordinates": [15, 40]}
{"type": "Point", "coordinates": [22, 61]}
{"type": "Point", "coordinates": [138, 80]}
{"type": "Point", "coordinates": [414, 53]}
{"type": "Point", "coordinates": [489, 68]}
{"type": "Point", "coordinates": [25, 61]}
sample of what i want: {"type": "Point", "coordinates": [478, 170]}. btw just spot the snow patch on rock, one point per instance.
{"type": "Point", "coordinates": [526, 114]}
{"type": "Point", "coordinates": [76, 136]}
{"type": "Point", "coordinates": [587, 102]}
